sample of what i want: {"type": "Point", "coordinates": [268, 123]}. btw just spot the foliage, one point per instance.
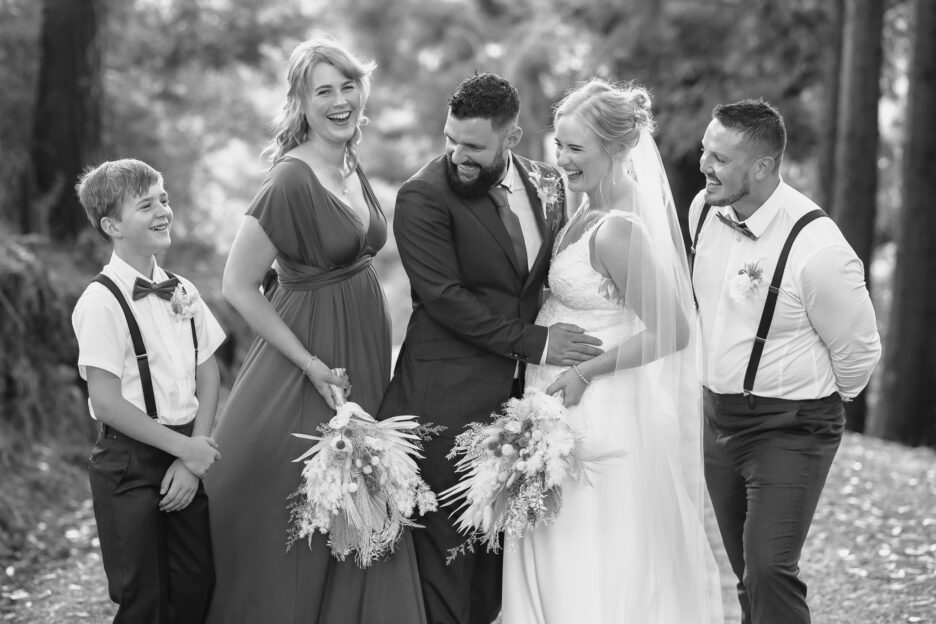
{"type": "Point", "coordinates": [195, 100]}
{"type": "Point", "coordinates": [188, 93]}
{"type": "Point", "coordinates": [190, 86]}
{"type": "Point", "coordinates": [38, 351]}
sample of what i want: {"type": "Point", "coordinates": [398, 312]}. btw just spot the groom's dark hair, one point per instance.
{"type": "Point", "coordinates": [486, 96]}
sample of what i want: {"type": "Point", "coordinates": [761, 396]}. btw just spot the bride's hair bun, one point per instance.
{"type": "Point", "coordinates": [640, 99]}
{"type": "Point", "coordinates": [617, 113]}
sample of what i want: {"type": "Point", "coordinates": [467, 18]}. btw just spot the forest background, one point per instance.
{"type": "Point", "coordinates": [190, 86]}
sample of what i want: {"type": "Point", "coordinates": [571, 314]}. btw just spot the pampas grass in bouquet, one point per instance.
{"type": "Point", "coordinates": [513, 469]}
{"type": "Point", "coordinates": [360, 485]}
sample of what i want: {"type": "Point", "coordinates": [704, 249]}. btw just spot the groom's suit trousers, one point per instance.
{"type": "Point", "coordinates": [765, 467]}
{"type": "Point", "coordinates": [471, 331]}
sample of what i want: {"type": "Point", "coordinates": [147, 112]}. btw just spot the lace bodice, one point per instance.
{"type": "Point", "coordinates": [574, 281]}
{"type": "Point", "coordinates": [582, 296]}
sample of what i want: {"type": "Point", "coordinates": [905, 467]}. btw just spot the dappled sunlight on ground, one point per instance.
{"type": "Point", "coordinates": [870, 557]}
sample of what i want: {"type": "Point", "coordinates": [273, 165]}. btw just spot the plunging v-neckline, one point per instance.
{"type": "Point", "coordinates": [559, 243]}
{"type": "Point", "coordinates": [345, 205]}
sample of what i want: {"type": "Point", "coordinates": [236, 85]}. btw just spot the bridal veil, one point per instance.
{"type": "Point", "coordinates": [664, 404]}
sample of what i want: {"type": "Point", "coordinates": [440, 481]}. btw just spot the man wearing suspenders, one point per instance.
{"type": "Point", "coordinates": [788, 333]}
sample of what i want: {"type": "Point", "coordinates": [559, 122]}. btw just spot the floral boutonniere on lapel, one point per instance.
{"type": "Point", "coordinates": [746, 281]}
{"type": "Point", "coordinates": [182, 304]}
{"type": "Point", "coordinates": [548, 185]}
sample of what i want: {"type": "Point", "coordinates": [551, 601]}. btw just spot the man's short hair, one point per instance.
{"type": "Point", "coordinates": [758, 122]}
{"type": "Point", "coordinates": [101, 189]}
{"type": "Point", "coordinates": [486, 96]}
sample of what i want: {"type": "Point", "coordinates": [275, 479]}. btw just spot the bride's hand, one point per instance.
{"type": "Point", "coordinates": [571, 386]}
{"type": "Point", "coordinates": [322, 377]}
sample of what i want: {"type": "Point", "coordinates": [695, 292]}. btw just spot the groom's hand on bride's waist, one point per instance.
{"type": "Point", "coordinates": [569, 344]}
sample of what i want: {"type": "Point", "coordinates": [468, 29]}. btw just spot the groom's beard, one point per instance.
{"type": "Point", "coordinates": [487, 177]}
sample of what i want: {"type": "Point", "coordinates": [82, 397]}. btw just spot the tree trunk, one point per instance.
{"type": "Point", "coordinates": [39, 391]}
{"type": "Point", "coordinates": [908, 412]}
{"type": "Point", "coordinates": [855, 188]}
{"type": "Point", "coordinates": [828, 133]}
{"type": "Point", "coordinates": [67, 125]}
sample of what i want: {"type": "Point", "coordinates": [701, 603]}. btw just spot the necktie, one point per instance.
{"type": "Point", "coordinates": [163, 290]}
{"type": "Point", "coordinates": [740, 228]}
{"type": "Point", "coordinates": [498, 195]}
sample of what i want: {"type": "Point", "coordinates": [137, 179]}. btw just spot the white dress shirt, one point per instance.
{"type": "Point", "coordinates": [824, 336]}
{"type": "Point", "coordinates": [532, 239]}
{"type": "Point", "coordinates": [104, 342]}
{"type": "Point", "coordinates": [520, 205]}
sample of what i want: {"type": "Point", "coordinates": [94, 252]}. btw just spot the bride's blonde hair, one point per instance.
{"type": "Point", "coordinates": [616, 113]}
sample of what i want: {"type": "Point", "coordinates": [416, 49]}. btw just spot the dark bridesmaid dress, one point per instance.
{"type": "Point", "coordinates": [329, 296]}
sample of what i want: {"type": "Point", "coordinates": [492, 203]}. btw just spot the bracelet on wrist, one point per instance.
{"type": "Point", "coordinates": [580, 375]}
{"type": "Point", "coordinates": [305, 371]}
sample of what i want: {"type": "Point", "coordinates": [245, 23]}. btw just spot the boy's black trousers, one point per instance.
{"type": "Point", "coordinates": [159, 565]}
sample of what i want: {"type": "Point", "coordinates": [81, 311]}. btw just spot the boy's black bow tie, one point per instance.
{"type": "Point", "coordinates": [163, 290]}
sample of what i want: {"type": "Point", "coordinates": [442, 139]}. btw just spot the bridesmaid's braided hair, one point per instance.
{"type": "Point", "coordinates": [290, 126]}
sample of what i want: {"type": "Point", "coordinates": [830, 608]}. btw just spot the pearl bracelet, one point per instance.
{"type": "Point", "coordinates": [579, 373]}
{"type": "Point", "coordinates": [305, 371]}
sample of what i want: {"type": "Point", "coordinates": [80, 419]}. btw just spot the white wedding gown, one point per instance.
{"type": "Point", "coordinates": [629, 548]}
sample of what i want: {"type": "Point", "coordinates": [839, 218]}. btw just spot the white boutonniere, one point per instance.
{"type": "Point", "coordinates": [747, 281]}
{"type": "Point", "coordinates": [548, 185]}
{"type": "Point", "coordinates": [183, 304]}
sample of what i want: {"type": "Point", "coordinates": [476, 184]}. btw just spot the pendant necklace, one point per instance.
{"type": "Point", "coordinates": [343, 181]}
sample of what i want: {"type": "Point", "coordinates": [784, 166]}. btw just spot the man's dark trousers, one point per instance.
{"type": "Point", "coordinates": [766, 462]}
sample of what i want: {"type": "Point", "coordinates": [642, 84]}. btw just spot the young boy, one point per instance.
{"type": "Point", "coordinates": [146, 467]}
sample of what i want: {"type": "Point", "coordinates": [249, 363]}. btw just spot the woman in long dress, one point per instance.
{"type": "Point", "coordinates": [316, 215]}
{"type": "Point", "coordinates": [629, 547]}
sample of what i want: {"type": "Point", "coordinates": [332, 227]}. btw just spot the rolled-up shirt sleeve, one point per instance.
{"type": "Point", "coordinates": [839, 307]}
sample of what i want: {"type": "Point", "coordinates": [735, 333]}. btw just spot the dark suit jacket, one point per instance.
{"type": "Point", "coordinates": [473, 313]}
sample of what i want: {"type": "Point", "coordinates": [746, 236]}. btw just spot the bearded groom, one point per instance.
{"type": "Point", "coordinates": [475, 239]}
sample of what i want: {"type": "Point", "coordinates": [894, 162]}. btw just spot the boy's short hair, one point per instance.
{"type": "Point", "coordinates": [101, 189]}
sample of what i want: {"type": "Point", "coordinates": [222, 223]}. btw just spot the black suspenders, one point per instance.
{"type": "Point", "coordinates": [692, 249]}
{"type": "Point", "coordinates": [695, 239]}
{"type": "Point", "coordinates": [773, 291]}
{"type": "Point", "coordinates": [139, 349]}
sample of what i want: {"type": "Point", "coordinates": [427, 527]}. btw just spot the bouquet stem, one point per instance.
{"type": "Point", "coordinates": [337, 393]}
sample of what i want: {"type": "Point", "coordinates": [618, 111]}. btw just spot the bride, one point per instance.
{"type": "Point", "coordinates": [629, 546]}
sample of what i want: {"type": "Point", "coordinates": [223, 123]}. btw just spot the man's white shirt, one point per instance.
{"type": "Point", "coordinates": [532, 239]}
{"type": "Point", "coordinates": [520, 205]}
{"type": "Point", "coordinates": [824, 336]}
{"type": "Point", "coordinates": [104, 342]}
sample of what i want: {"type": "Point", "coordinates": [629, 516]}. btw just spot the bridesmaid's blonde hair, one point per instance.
{"type": "Point", "coordinates": [290, 126]}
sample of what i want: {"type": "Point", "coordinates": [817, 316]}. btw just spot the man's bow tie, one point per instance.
{"type": "Point", "coordinates": [740, 228]}
{"type": "Point", "coordinates": [163, 290]}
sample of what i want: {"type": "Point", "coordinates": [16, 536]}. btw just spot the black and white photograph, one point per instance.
{"type": "Point", "coordinates": [467, 312]}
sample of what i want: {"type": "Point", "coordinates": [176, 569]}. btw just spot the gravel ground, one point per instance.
{"type": "Point", "coordinates": [870, 558]}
